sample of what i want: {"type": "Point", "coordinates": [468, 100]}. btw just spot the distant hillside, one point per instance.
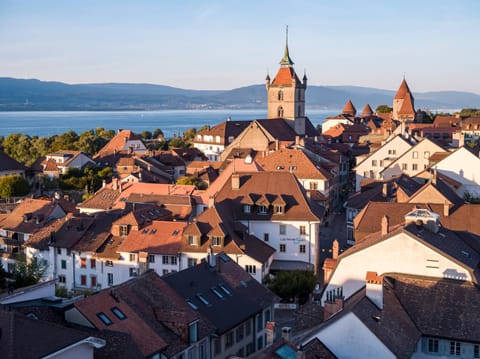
{"type": "Point", "coordinates": [35, 95]}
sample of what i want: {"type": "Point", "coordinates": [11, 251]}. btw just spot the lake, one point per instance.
{"type": "Point", "coordinates": [48, 123]}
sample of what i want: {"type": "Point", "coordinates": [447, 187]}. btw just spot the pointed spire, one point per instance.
{"type": "Point", "coordinates": [403, 90]}
{"type": "Point", "coordinates": [349, 109]}
{"type": "Point", "coordinates": [286, 60]}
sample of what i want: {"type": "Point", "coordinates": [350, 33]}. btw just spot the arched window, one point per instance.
{"type": "Point", "coordinates": [280, 95]}
{"type": "Point", "coordinates": [280, 111]}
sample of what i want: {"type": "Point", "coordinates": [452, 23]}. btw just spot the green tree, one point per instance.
{"type": "Point", "coordinates": [146, 135]}
{"type": "Point", "coordinates": [19, 147]}
{"type": "Point", "coordinates": [13, 186]}
{"type": "Point", "coordinates": [189, 134]}
{"type": "Point", "coordinates": [293, 285]}
{"type": "Point", "coordinates": [105, 173]}
{"type": "Point", "coordinates": [66, 141]}
{"type": "Point", "coordinates": [176, 142]}
{"type": "Point", "coordinates": [468, 112]}
{"type": "Point", "coordinates": [157, 134]}
{"type": "Point", "coordinates": [204, 128]}
{"type": "Point", "coordinates": [26, 274]}
{"type": "Point", "coordinates": [383, 109]}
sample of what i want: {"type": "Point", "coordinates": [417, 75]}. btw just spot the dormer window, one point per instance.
{"type": "Point", "coordinates": [216, 241]}
{"type": "Point", "coordinates": [123, 230]}
{"type": "Point", "coordinates": [262, 209]}
{"type": "Point", "coordinates": [279, 209]}
{"type": "Point", "coordinates": [193, 332]}
{"type": "Point", "coordinates": [247, 208]}
{"type": "Point", "coordinates": [192, 240]}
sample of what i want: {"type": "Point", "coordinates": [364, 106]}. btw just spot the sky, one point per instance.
{"type": "Point", "coordinates": [226, 44]}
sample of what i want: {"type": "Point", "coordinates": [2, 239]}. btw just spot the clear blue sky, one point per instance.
{"type": "Point", "coordinates": [227, 44]}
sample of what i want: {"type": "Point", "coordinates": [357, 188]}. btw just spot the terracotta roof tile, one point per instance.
{"type": "Point", "coordinates": [138, 299]}
{"type": "Point", "coordinates": [403, 91]}
{"type": "Point", "coordinates": [273, 184]}
{"type": "Point", "coordinates": [295, 161]}
{"type": "Point", "coordinates": [31, 215]}
{"type": "Point", "coordinates": [158, 237]}
{"type": "Point", "coordinates": [117, 143]}
{"type": "Point", "coordinates": [367, 110]}
{"type": "Point", "coordinates": [349, 109]}
{"type": "Point", "coordinates": [285, 77]}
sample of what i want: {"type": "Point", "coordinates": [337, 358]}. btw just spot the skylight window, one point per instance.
{"type": "Point", "coordinates": [192, 305]}
{"type": "Point", "coordinates": [203, 299]}
{"type": "Point", "coordinates": [103, 317]}
{"type": "Point", "coordinates": [118, 313]}
{"type": "Point", "coordinates": [217, 293]}
{"type": "Point", "coordinates": [225, 289]}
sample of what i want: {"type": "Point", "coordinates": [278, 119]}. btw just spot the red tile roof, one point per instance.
{"type": "Point", "coordinates": [403, 91]}
{"type": "Point", "coordinates": [117, 143]}
{"type": "Point", "coordinates": [270, 184]}
{"type": "Point", "coordinates": [158, 237]}
{"type": "Point", "coordinates": [284, 160]}
{"type": "Point", "coordinates": [157, 317]}
{"type": "Point", "coordinates": [367, 110]}
{"type": "Point", "coordinates": [349, 109]}
{"type": "Point", "coordinates": [285, 77]}
{"type": "Point", "coordinates": [31, 215]}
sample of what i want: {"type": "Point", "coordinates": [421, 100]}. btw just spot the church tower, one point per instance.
{"type": "Point", "coordinates": [403, 103]}
{"type": "Point", "coordinates": [286, 94]}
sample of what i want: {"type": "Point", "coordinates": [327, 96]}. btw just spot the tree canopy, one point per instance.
{"type": "Point", "coordinates": [383, 109]}
{"type": "Point", "coordinates": [13, 186]}
{"type": "Point", "coordinates": [290, 285]}
{"type": "Point", "coordinates": [26, 274]}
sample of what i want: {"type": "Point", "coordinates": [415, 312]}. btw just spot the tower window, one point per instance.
{"type": "Point", "coordinates": [280, 111]}
{"type": "Point", "coordinates": [280, 95]}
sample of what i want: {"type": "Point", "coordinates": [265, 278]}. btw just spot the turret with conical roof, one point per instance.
{"type": "Point", "coordinates": [367, 111]}
{"type": "Point", "coordinates": [349, 109]}
{"type": "Point", "coordinates": [403, 103]}
{"type": "Point", "coordinates": [286, 94]}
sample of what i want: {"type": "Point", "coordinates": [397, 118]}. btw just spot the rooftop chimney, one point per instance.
{"type": "Point", "coordinates": [374, 288]}
{"type": "Point", "coordinates": [297, 140]}
{"type": "Point", "coordinates": [335, 249]}
{"type": "Point", "coordinates": [235, 181]}
{"type": "Point", "coordinates": [434, 176]}
{"type": "Point", "coordinates": [211, 201]}
{"type": "Point", "coordinates": [212, 260]}
{"type": "Point", "coordinates": [104, 183]}
{"type": "Point", "coordinates": [334, 302]}
{"type": "Point", "coordinates": [115, 184]}
{"type": "Point", "coordinates": [385, 225]}
{"type": "Point", "coordinates": [385, 190]}
{"type": "Point", "coordinates": [270, 333]}
{"type": "Point", "coordinates": [446, 209]}
{"type": "Point", "coordinates": [286, 332]}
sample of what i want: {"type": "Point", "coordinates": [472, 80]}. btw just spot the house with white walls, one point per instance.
{"type": "Point", "coordinates": [215, 231]}
{"type": "Point", "coordinates": [309, 172]}
{"type": "Point", "coordinates": [414, 160]}
{"type": "Point", "coordinates": [402, 316]}
{"type": "Point", "coordinates": [274, 207]}
{"type": "Point", "coordinates": [372, 165]}
{"type": "Point", "coordinates": [462, 166]}
{"type": "Point", "coordinates": [30, 216]}
{"type": "Point", "coordinates": [421, 247]}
